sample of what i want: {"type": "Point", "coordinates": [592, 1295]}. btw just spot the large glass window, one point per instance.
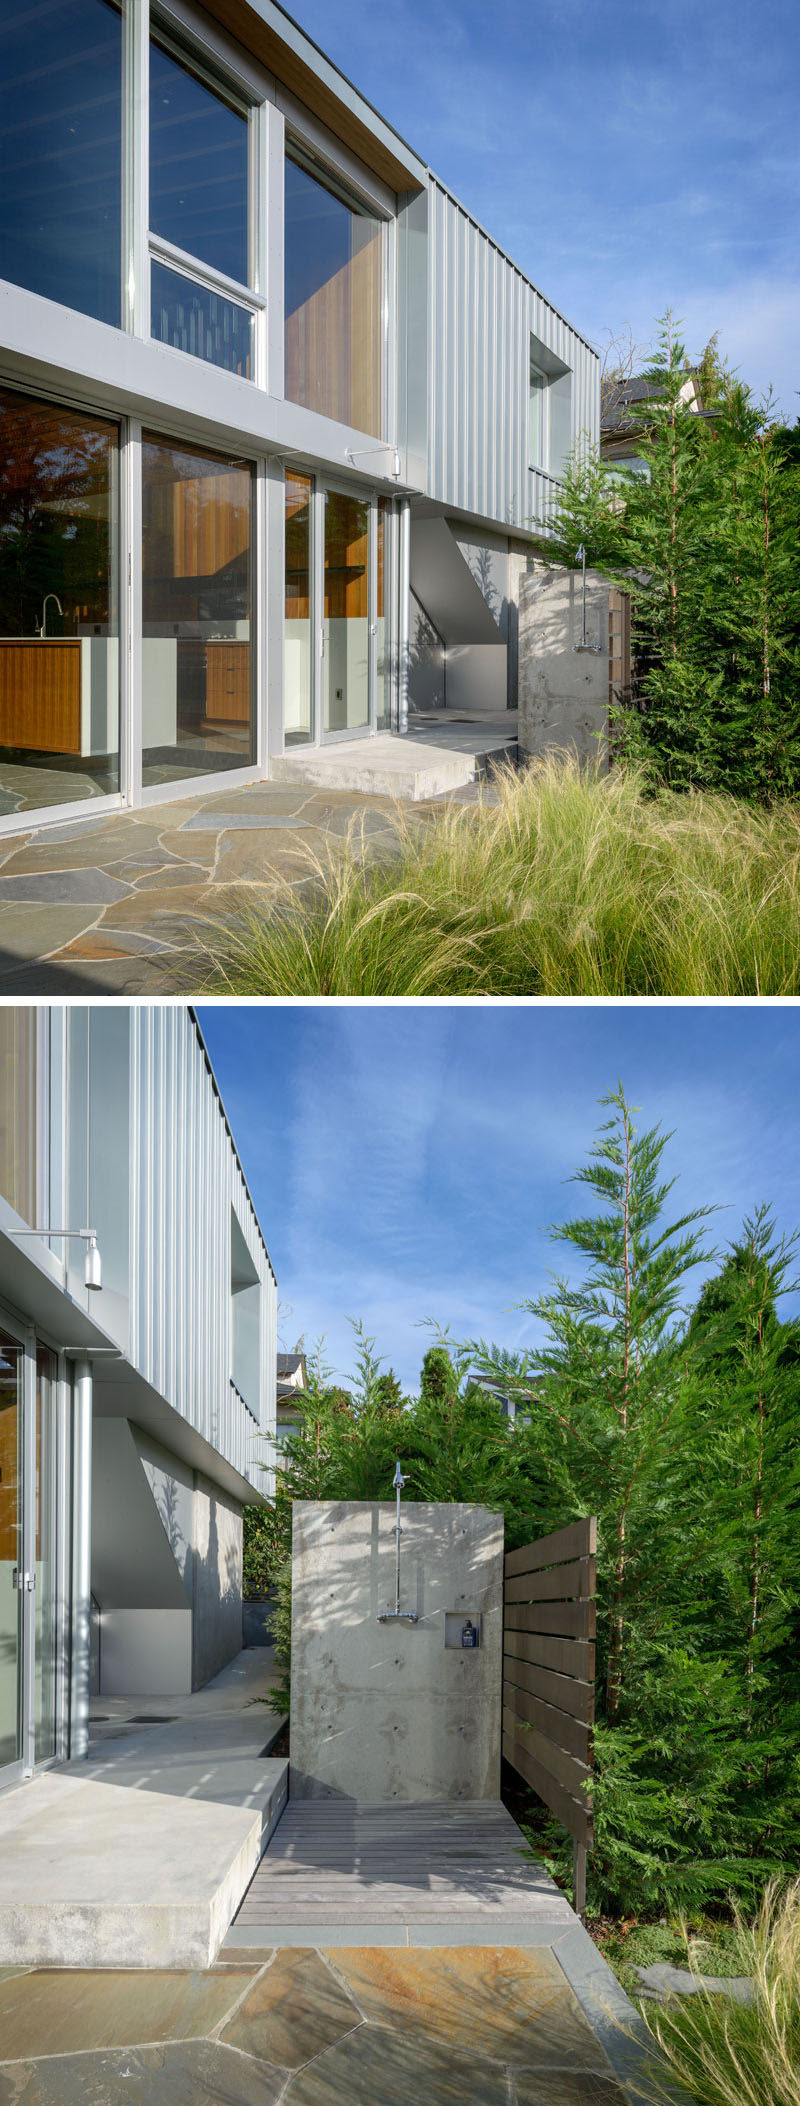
{"type": "Point", "coordinates": [59, 615]}
{"type": "Point", "coordinates": [346, 612]}
{"type": "Point", "coordinates": [61, 152]}
{"type": "Point", "coordinates": [197, 703]}
{"type": "Point", "coordinates": [199, 206]}
{"type": "Point", "coordinates": [333, 303]}
{"type": "Point", "coordinates": [297, 714]}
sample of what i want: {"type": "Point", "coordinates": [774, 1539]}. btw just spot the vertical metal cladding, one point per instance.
{"type": "Point", "coordinates": [482, 313]}
{"type": "Point", "coordinates": [187, 1179]}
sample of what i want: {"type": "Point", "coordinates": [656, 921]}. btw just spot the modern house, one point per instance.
{"type": "Point", "coordinates": [279, 421]}
{"type": "Point", "coordinates": [291, 1393]}
{"type": "Point", "coordinates": [137, 1369]}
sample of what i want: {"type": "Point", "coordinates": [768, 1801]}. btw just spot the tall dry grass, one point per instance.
{"type": "Point", "coordinates": [574, 883]}
{"type": "Point", "coordinates": [729, 2054]}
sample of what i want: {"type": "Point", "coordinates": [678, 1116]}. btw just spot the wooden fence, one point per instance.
{"type": "Point", "coordinates": [548, 1677]}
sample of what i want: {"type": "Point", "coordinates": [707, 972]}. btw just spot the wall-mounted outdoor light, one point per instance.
{"type": "Point", "coordinates": [93, 1269]}
{"type": "Point", "coordinates": [397, 1615]}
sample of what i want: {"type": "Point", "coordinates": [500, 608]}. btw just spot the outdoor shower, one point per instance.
{"type": "Point", "coordinates": [397, 1615]}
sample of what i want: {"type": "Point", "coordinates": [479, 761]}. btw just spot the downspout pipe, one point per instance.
{"type": "Point", "coordinates": [81, 1560]}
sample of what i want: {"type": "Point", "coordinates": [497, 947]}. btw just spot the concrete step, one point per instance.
{"type": "Point", "coordinates": [140, 1856]}
{"type": "Point", "coordinates": [411, 768]}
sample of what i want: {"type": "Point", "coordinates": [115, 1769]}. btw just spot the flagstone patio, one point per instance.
{"type": "Point", "coordinates": [368, 2026]}
{"type": "Point", "coordinates": [130, 903]}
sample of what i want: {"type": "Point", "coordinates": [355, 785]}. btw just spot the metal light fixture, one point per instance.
{"type": "Point", "coordinates": [93, 1268]}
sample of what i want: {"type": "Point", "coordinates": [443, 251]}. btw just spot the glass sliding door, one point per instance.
{"type": "Point", "coordinates": [197, 622]}
{"type": "Point", "coordinates": [11, 1552]}
{"type": "Point", "coordinates": [59, 604]}
{"type": "Point", "coordinates": [298, 712]}
{"type": "Point", "coordinates": [346, 625]}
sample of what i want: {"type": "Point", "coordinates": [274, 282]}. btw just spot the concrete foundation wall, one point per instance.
{"type": "Point", "coordinates": [217, 1597]}
{"type": "Point", "coordinates": [563, 689]}
{"type": "Point", "coordinates": [390, 1711]}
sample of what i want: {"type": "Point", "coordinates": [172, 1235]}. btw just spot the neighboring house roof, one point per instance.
{"type": "Point", "coordinates": [291, 1372]}
{"type": "Point", "coordinates": [622, 401]}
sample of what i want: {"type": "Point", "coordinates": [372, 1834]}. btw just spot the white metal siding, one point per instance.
{"type": "Point", "coordinates": [186, 1177]}
{"type": "Point", "coordinates": [482, 313]}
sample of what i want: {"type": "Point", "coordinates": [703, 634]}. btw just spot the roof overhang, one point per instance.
{"type": "Point", "coordinates": [293, 59]}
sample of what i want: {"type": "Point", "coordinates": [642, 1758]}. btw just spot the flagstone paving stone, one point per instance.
{"type": "Point", "coordinates": [376, 2067]}
{"type": "Point", "coordinates": [60, 2011]}
{"type": "Point", "coordinates": [563, 2087]}
{"type": "Point", "coordinates": [294, 2010]}
{"type": "Point", "coordinates": [200, 2073]}
{"type": "Point", "coordinates": [511, 2004]}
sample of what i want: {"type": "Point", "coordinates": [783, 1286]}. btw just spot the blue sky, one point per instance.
{"type": "Point", "coordinates": [628, 161]}
{"type": "Point", "coordinates": [406, 1160]}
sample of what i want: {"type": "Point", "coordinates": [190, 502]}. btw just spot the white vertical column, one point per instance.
{"type": "Point", "coordinates": [404, 588]}
{"type": "Point", "coordinates": [81, 1558]}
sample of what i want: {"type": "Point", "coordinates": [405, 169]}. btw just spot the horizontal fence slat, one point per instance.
{"type": "Point", "coordinates": [560, 1583]}
{"type": "Point", "coordinates": [564, 1732]}
{"type": "Point", "coordinates": [568, 1656]}
{"type": "Point", "coordinates": [562, 1619]}
{"type": "Point", "coordinates": [564, 1692]}
{"type": "Point", "coordinates": [579, 1540]}
{"type": "Point", "coordinates": [575, 1817]}
{"type": "Point", "coordinates": [564, 1768]}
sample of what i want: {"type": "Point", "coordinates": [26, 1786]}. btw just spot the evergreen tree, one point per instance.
{"type": "Point", "coordinates": [705, 545]}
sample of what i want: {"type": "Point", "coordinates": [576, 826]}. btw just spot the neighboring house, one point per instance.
{"type": "Point", "coordinates": [132, 1414]}
{"type": "Point", "coordinates": [291, 1387]}
{"type": "Point", "coordinates": [623, 417]}
{"type": "Point", "coordinates": [277, 417]}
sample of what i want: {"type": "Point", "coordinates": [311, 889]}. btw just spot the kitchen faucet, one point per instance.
{"type": "Point", "coordinates": [49, 596]}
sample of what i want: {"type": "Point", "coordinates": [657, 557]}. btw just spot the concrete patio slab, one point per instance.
{"type": "Point", "coordinates": [140, 1856]}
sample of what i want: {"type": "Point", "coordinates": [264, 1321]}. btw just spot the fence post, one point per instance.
{"type": "Point", "coordinates": [579, 1879]}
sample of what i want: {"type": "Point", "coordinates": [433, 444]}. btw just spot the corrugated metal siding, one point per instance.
{"type": "Point", "coordinates": [186, 1177]}
{"type": "Point", "coordinates": [482, 312]}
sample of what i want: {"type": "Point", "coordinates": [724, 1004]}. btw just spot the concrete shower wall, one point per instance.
{"type": "Point", "coordinates": [563, 690]}
{"type": "Point", "coordinates": [387, 1711]}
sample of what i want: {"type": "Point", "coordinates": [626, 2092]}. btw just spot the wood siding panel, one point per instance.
{"type": "Point", "coordinates": [576, 1818]}
{"type": "Point", "coordinates": [568, 1656]}
{"type": "Point", "coordinates": [567, 1769]}
{"type": "Point", "coordinates": [565, 1732]}
{"type": "Point", "coordinates": [579, 1540]}
{"type": "Point", "coordinates": [562, 1583]}
{"type": "Point", "coordinates": [566, 1693]}
{"type": "Point", "coordinates": [560, 1619]}
{"type": "Point", "coordinates": [40, 695]}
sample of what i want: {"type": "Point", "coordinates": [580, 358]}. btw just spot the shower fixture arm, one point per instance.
{"type": "Point", "coordinates": [397, 1615]}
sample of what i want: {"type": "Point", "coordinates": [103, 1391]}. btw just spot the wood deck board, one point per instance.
{"type": "Point", "coordinates": [334, 1860]}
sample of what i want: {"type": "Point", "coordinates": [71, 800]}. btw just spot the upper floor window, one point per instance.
{"type": "Point", "coordinates": [549, 410]}
{"type": "Point", "coordinates": [61, 152]}
{"type": "Point", "coordinates": [245, 1321]}
{"type": "Point", "coordinates": [333, 302]}
{"type": "Point", "coordinates": [199, 217]}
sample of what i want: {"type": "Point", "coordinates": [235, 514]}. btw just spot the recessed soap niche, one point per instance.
{"type": "Point", "coordinates": [458, 1623]}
